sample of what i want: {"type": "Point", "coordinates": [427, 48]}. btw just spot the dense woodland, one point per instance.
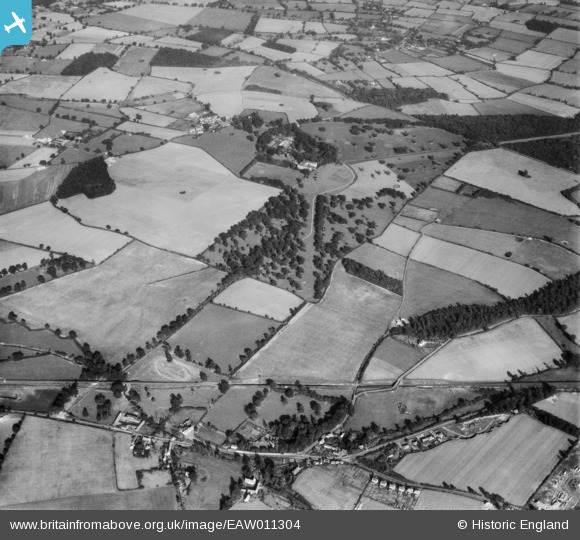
{"type": "Point", "coordinates": [539, 25]}
{"type": "Point", "coordinates": [497, 128]}
{"type": "Point", "coordinates": [181, 58]}
{"type": "Point", "coordinates": [563, 152]}
{"type": "Point", "coordinates": [88, 62]}
{"type": "Point", "coordinates": [392, 98]}
{"type": "Point", "coordinates": [556, 297]}
{"type": "Point", "coordinates": [377, 277]}
{"type": "Point", "coordinates": [90, 178]}
{"type": "Point", "coordinates": [272, 44]}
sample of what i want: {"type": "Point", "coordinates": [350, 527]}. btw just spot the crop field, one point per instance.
{"type": "Point", "coordinates": [259, 298]}
{"type": "Point", "coordinates": [553, 92]}
{"type": "Point", "coordinates": [508, 278]}
{"type": "Point", "coordinates": [477, 88]}
{"type": "Point", "coordinates": [421, 214]}
{"type": "Point", "coordinates": [504, 106]}
{"type": "Point", "coordinates": [116, 305]}
{"type": "Point", "coordinates": [156, 86]}
{"type": "Point", "coordinates": [38, 368]}
{"type": "Point", "coordinates": [459, 64]}
{"type": "Point", "coordinates": [497, 170]}
{"type": "Point", "coordinates": [153, 131]}
{"type": "Point", "coordinates": [90, 34]}
{"type": "Point", "coordinates": [540, 60]}
{"type": "Point", "coordinates": [519, 345]}
{"type": "Point", "coordinates": [183, 213]}
{"type": "Point", "coordinates": [44, 340]}
{"type": "Point", "coordinates": [499, 215]}
{"type": "Point", "coordinates": [44, 224]}
{"type": "Point", "coordinates": [230, 147]}
{"type": "Point", "coordinates": [564, 405]}
{"type": "Point", "coordinates": [206, 81]}
{"type": "Point", "coordinates": [75, 50]}
{"type": "Point", "coordinates": [221, 334]}
{"type": "Point", "coordinates": [102, 84]}
{"type": "Point", "coordinates": [331, 488]}
{"type": "Point", "coordinates": [126, 23]}
{"type": "Point", "coordinates": [500, 81]}
{"type": "Point", "coordinates": [398, 239]}
{"type": "Point", "coordinates": [452, 88]}
{"type": "Point", "coordinates": [377, 258]}
{"type": "Point", "coordinates": [127, 465]}
{"type": "Point", "coordinates": [169, 15]}
{"type": "Point", "coordinates": [295, 108]}
{"type": "Point", "coordinates": [11, 254]}
{"type": "Point", "coordinates": [545, 105]}
{"type": "Point", "coordinates": [489, 460]}
{"type": "Point", "coordinates": [390, 360]}
{"type": "Point", "coordinates": [179, 108]}
{"type": "Point", "coordinates": [552, 260]}
{"type": "Point", "coordinates": [135, 62]}
{"type": "Point", "coordinates": [61, 459]}
{"type": "Point", "coordinates": [278, 26]}
{"type": "Point", "coordinates": [355, 312]}
{"type": "Point", "coordinates": [391, 408]}
{"type": "Point", "coordinates": [409, 223]}
{"type": "Point", "coordinates": [430, 499]}
{"type": "Point", "coordinates": [40, 86]}
{"type": "Point", "coordinates": [214, 477]}
{"type": "Point", "coordinates": [440, 107]}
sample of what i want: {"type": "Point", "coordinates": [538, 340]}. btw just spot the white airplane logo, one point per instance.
{"type": "Point", "coordinates": [17, 22]}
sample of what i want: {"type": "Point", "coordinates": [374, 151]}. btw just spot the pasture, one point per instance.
{"type": "Point", "coordinates": [517, 346]}
{"type": "Point", "coordinates": [259, 298]}
{"type": "Point", "coordinates": [353, 311]}
{"type": "Point", "coordinates": [41, 340]}
{"type": "Point", "coordinates": [440, 107]}
{"type": "Point", "coordinates": [183, 212]}
{"type": "Point", "coordinates": [390, 360]}
{"type": "Point", "coordinates": [295, 108]}
{"type": "Point", "coordinates": [278, 26]}
{"type": "Point", "coordinates": [39, 368]}
{"type": "Point", "coordinates": [430, 499]}
{"type": "Point", "coordinates": [11, 254]}
{"type": "Point", "coordinates": [377, 258]}
{"type": "Point", "coordinates": [331, 488]}
{"type": "Point", "coordinates": [497, 170]}
{"type": "Point", "coordinates": [206, 80]}
{"type": "Point", "coordinates": [32, 399]}
{"type": "Point", "coordinates": [121, 303]}
{"type": "Point", "coordinates": [43, 225]}
{"type": "Point", "coordinates": [102, 84]}
{"type": "Point", "coordinates": [40, 86]}
{"type": "Point", "coordinates": [127, 465]}
{"type": "Point", "coordinates": [155, 367]}
{"type": "Point", "coordinates": [155, 86]}
{"type": "Point", "coordinates": [489, 460]}
{"type": "Point", "coordinates": [371, 177]}
{"type": "Point", "coordinates": [398, 239]}
{"type": "Point", "coordinates": [565, 405]}
{"type": "Point", "coordinates": [572, 323]}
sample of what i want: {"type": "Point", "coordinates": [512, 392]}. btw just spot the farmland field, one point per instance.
{"type": "Point", "coordinates": [519, 345]}
{"type": "Point", "coordinates": [156, 86]}
{"type": "Point", "coordinates": [545, 105]}
{"type": "Point", "coordinates": [41, 86]}
{"type": "Point", "coordinates": [206, 81]}
{"type": "Point", "coordinates": [572, 323]}
{"type": "Point", "coordinates": [355, 312]}
{"type": "Point", "coordinates": [11, 254]}
{"type": "Point", "coordinates": [390, 360]}
{"type": "Point", "coordinates": [398, 240]}
{"type": "Point", "coordinates": [331, 488]}
{"type": "Point", "coordinates": [295, 108]}
{"type": "Point", "coordinates": [378, 258]}
{"type": "Point", "coordinates": [38, 368]}
{"type": "Point", "coordinates": [102, 84]}
{"type": "Point", "coordinates": [259, 298]}
{"type": "Point", "coordinates": [35, 399]}
{"type": "Point", "coordinates": [126, 465]}
{"type": "Point", "coordinates": [564, 405]}
{"type": "Point", "coordinates": [489, 460]}
{"type": "Point", "coordinates": [128, 288]}
{"type": "Point", "coordinates": [155, 367]}
{"type": "Point", "coordinates": [184, 212]}
{"type": "Point", "coordinates": [135, 62]}
{"type": "Point", "coordinates": [436, 500]}
{"type": "Point", "coordinates": [44, 340]}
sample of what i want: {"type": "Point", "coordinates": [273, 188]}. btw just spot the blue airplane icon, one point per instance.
{"type": "Point", "coordinates": [17, 22]}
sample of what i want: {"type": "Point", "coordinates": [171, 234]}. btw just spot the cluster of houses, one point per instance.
{"type": "Point", "coordinates": [206, 122]}
{"type": "Point", "coordinates": [427, 439]}
{"type": "Point", "coordinates": [393, 487]}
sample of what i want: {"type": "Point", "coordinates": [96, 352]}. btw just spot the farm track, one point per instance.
{"type": "Point", "coordinates": [560, 136]}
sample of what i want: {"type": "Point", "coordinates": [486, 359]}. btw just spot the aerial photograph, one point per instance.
{"type": "Point", "coordinates": [290, 255]}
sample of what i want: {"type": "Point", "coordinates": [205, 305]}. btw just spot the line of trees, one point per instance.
{"type": "Point", "coordinates": [377, 277]}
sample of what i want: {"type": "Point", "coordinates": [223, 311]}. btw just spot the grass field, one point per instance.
{"type": "Point", "coordinates": [545, 105]}
{"type": "Point", "coordinates": [17, 334]}
{"type": "Point", "coordinates": [390, 360]}
{"type": "Point", "coordinates": [391, 408]}
{"type": "Point", "coordinates": [489, 460]}
{"type": "Point", "coordinates": [182, 213]}
{"type": "Point", "coordinates": [331, 488]}
{"type": "Point", "coordinates": [564, 405]}
{"type": "Point", "coordinates": [221, 334]}
{"type": "Point", "coordinates": [156, 86]}
{"type": "Point", "coordinates": [102, 84]}
{"type": "Point", "coordinates": [127, 465]}
{"type": "Point", "coordinates": [207, 81]}
{"type": "Point", "coordinates": [46, 367]}
{"type": "Point", "coordinates": [430, 499]}
{"type": "Point", "coordinates": [295, 108]}
{"type": "Point", "coordinates": [519, 345]}
{"type": "Point", "coordinates": [398, 239]}
{"type": "Point", "coordinates": [259, 298]}
{"type": "Point", "coordinates": [60, 460]}
{"type": "Point", "coordinates": [377, 258]}
{"type": "Point", "coordinates": [572, 323]}
{"type": "Point", "coordinates": [155, 367]}
{"type": "Point", "coordinates": [509, 279]}
{"type": "Point", "coordinates": [40, 86]}
{"type": "Point", "coordinates": [428, 288]}
{"type": "Point", "coordinates": [11, 254]}
{"type": "Point", "coordinates": [371, 178]}
{"type": "Point", "coordinates": [354, 312]}
{"type": "Point", "coordinates": [44, 224]}
{"type": "Point", "coordinates": [121, 303]}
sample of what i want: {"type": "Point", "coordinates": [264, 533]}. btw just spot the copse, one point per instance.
{"type": "Point", "coordinates": [91, 178]}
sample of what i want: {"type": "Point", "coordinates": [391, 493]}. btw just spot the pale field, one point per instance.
{"type": "Point", "coordinates": [521, 344]}
{"type": "Point", "coordinates": [437, 500]}
{"type": "Point", "coordinates": [553, 92]}
{"type": "Point", "coordinates": [127, 465]}
{"type": "Point", "coordinates": [40, 86]}
{"type": "Point", "coordinates": [249, 43]}
{"type": "Point", "coordinates": [511, 461]}
{"type": "Point", "coordinates": [552, 260]}
{"type": "Point", "coordinates": [539, 60]}
{"type": "Point", "coordinates": [135, 62]}
{"type": "Point", "coordinates": [391, 359]}
{"type": "Point", "coordinates": [409, 223]}
{"type": "Point", "coordinates": [564, 34]}
{"type": "Point", "coordinates": [534, 75]}
{"type": "Point", "coordinates": [75, 50]}
{"type": "Point", "coordinates": [546, 105]}
{"type": "Point", "coordinates": [44, 224]}
{"type": "Point", "coordinates": [102, 84]}
{"type": "Point", "coordinates": [564, 405]}
{"type": "Point", "coordinates": [121, 303]}
{"type": "Point", "coordinates": [90, 34]}
{"type": "Point", "coordinates": [478, 89]}
{"type": "Point", "coordinates": [153, 86]}
{"type": "Point", "coordinates": [408, 82]}
{"type": "Point", "coordinates": [154, 367]}
{"type": "Point", "coordinates": [278, 26]}
{"type": "Point", "coordinates": [151, 205]}
{"type": "Point", "coordinates": [295, 108]}
{"type": "Point", "coordinates": [572, 323]}
{"type": "Point", "coordinates": [565, 79]}
{"type": "Point", "coordinates": [398, 239]}
{"type": "Point", "coordinates": [452, 88]}
{"type": "Point", "coordinates": [377, 258]}
{"type": "Point", "coordinates": [207, 80]}
{"type": "Point", "coordinates": [508, 278]}
{"type": "Point", "coordinates": [353, 311]}
{"type": "Point", "coordinates": [170, 15]}
{"type": "Point", "coordinates": [497, 170]}
{"type": "Point", "coordinates": [313, 26]}
{"type": "Point", "coordinates": [153, 131]}
{"type": "Point", "coordinates": [53, 460]}
{"type": "Point", "coordinates": [415, 212]}
{"type": "Point", "coordinates": [331, 487]}
{"type": "Point", "coordinates": [306, 67]}
{"type": "Point", "coordinates": [372, 177]}
{"type": "Point", "coordinates": [419, 69]}
{"type": "Point", "coordinates": [500, 81]}
{"type": "Point", "coordinates": [33, 160]}
{"type": "Point", "coordinates": [225, 103]}
{"type": "Point", "coordinates": [489, 54]}
{"type": "Point", "coordinates": [259, 298]}
{"type": "Point", "coordinates": [152, 119]}
{"type": "Point", "coordinates": [440, 106]}
{"type": "Point", "coordinates": [15, 254]}
{"type": "Point", "coordinates": [375, 70]}
{"type": "Point", "coordinates": [5, 77]}
{"type": "Point", "coordinates": [558, 48]}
